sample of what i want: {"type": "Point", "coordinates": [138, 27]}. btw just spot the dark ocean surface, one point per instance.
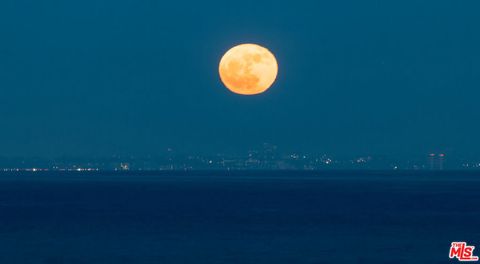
{"type": "Point", "coordinates": [237, 217]}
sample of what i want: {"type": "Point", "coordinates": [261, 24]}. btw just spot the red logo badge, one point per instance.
{"type": "Point", "coordinates": [462, 252]}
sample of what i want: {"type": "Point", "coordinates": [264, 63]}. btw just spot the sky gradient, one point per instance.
{"type": "Point", "coordinates": [104, 77]}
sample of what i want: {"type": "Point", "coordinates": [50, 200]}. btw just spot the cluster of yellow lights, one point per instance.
{"type": "Point", "coordinates": [248, 69]}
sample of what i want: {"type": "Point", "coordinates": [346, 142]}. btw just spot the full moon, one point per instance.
{"type": "Point", "coordinates": [248, 69]}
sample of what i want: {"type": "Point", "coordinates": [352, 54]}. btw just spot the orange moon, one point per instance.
{"type": "Point", "coordinates": [248, 69]}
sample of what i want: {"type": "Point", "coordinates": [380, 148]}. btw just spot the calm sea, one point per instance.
{"type": "Point", "coordinates": [240, 217]}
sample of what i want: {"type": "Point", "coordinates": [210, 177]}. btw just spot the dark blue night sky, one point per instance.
{"type": "Point", "coordinates": [103, 77]}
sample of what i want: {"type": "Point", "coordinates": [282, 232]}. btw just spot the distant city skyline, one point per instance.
{"type": "Point", "coordinates": [266, 157]}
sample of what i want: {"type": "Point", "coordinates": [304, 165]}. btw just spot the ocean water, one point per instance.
{"type": "Point", "coordinates": [237, 217]}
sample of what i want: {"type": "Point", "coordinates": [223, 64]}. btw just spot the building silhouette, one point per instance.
{"type": "Point", "coordinates": [436, 161]}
